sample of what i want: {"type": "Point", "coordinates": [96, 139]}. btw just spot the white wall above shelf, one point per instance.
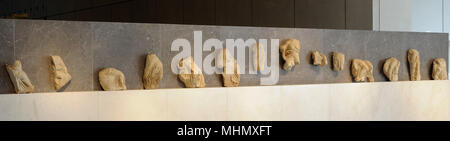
{"type": "Point", "coordinates": [407, 100]}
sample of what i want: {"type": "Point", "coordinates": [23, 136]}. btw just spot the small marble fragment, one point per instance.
{"type": "Point", "coordinates": [19, 78]}
{"type": "Point", "coordinates": [153, 72]}
{"type": "Point", "coordinates": [190, 74]}
{"type": "Point", "coordinates": [259, 57]}
{"type": "Point", "coordinates": [112, 79]}
{"type": "Point", "coordinates": [439, 69]}
{"type": "Point", "coordinates": [60, 75]}
{"type": "Point", "coordinates": [290, 49]}
{"type": "Point", "coordinates": [338, 61]}
{"type": "Point", "coordinates": [414, 64]}
{"type": "Point", "coordinates": [230, 68]}
{"type": "Point", "coordinates": [390, 68]}
{"type": "Point", "coordinates": [362, 69]}
{"type": "Point", "coordinates": [319, 59]}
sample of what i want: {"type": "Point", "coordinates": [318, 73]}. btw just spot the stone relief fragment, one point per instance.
{"type": "Point", "coordinates": [390, 68]}
{"type": "Point", "coordinates": [338, 61]}
{"type": "Point", "coordinates": [60, 76]}
{"type": "Point", "coordinates": [259, 57]}
{"type": "Point", "coordinates": [439, 69]}
{"type": "Point", "coordinates": [230, 68]}
{"type": "Point", "coordinates": [290, 50]}
{"type": "Point", "coordinates": [319, 59]}
{"type": "Point", "coordinates": [190, 74]}
{"type": "Point", "coordinates": [19, 78]}
{"type": "Point", "coordinates": [153, 72]}
{"type": "Point", "coordinates": [362, 69]}
{"type": "Point", "coordinates": [414, 64]}
{"type": "Point", "coordinates": [112, 79]}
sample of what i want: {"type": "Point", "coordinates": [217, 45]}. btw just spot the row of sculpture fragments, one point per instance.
{"type": "Point", "coordinates": [191, 75]}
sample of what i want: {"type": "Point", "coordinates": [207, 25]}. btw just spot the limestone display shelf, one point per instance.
{"type": "Point", "coordinates": [418, 100]}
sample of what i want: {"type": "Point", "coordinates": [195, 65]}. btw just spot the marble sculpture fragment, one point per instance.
{"type": "Point", "coordinates": [362, 69]}
{"type": "Point", "coordinates": [60, 76]}
{"type": "Point", "coordinates": [259, 57]}
{"type": "Point", "coordinates": [390, 68]}
{"type": "Point", "coordinates": [290, 50]}
{"type": "Point", "coordinates": [112, 79]}
{"type": "Point", "coordinates": [319, 59]}
{"type": "Point", "coordinates": [230, 68]}
{"type": "Point", "coordinates": [338, 61]}
{"type": "Point", "coordinates": [19, 78]}
{"type": "Point", "coordinates": [439, 69]}
{"type": "Point", "coordinates": [153, 72]}
{"type": "Point", "coordinates": [190, 74]}
{"type": "Point", "coordinates": [414, 64]}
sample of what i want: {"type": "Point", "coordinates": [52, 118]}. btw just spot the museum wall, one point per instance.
{"type": "Point", "coordinates": [412, 15]}
{"type": "Point", "coordinates": [335, 14]}
{"type": "Point", "coordinates": [88, 47]}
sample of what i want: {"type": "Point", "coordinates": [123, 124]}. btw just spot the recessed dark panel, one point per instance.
{"type": "Point", "coordinates": [234, 12]}
{"type": "Point", "coordinates": [141, 11]}
{"type": "Point", "coordinates": [320, 14]}
{"type": "Point", "coordinates": [274, 13]}
{"type": "Point", "coordinates": [169, 11]}
{"type": "Point", "coordinates": [82, 4]}
{"type": "Point", "coordinates": [97, 14]}
{"type": "Point", "coordinates": [105, 2]}
{"type": "Point", "coordinates": [122, 12]}
{"type": "Point", "coordinates": [55, 7]}
{"type": "Point", "coordinates": [359, 14]}
{"type": "Point", "coordinates": [199, 12]}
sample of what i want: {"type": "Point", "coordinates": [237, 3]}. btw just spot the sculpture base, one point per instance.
{"type": "Point", "coordinates": [419, 100]}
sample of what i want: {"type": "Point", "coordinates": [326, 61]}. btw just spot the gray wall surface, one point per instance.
{"type": "Point", "coordinates": [88, 47]}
